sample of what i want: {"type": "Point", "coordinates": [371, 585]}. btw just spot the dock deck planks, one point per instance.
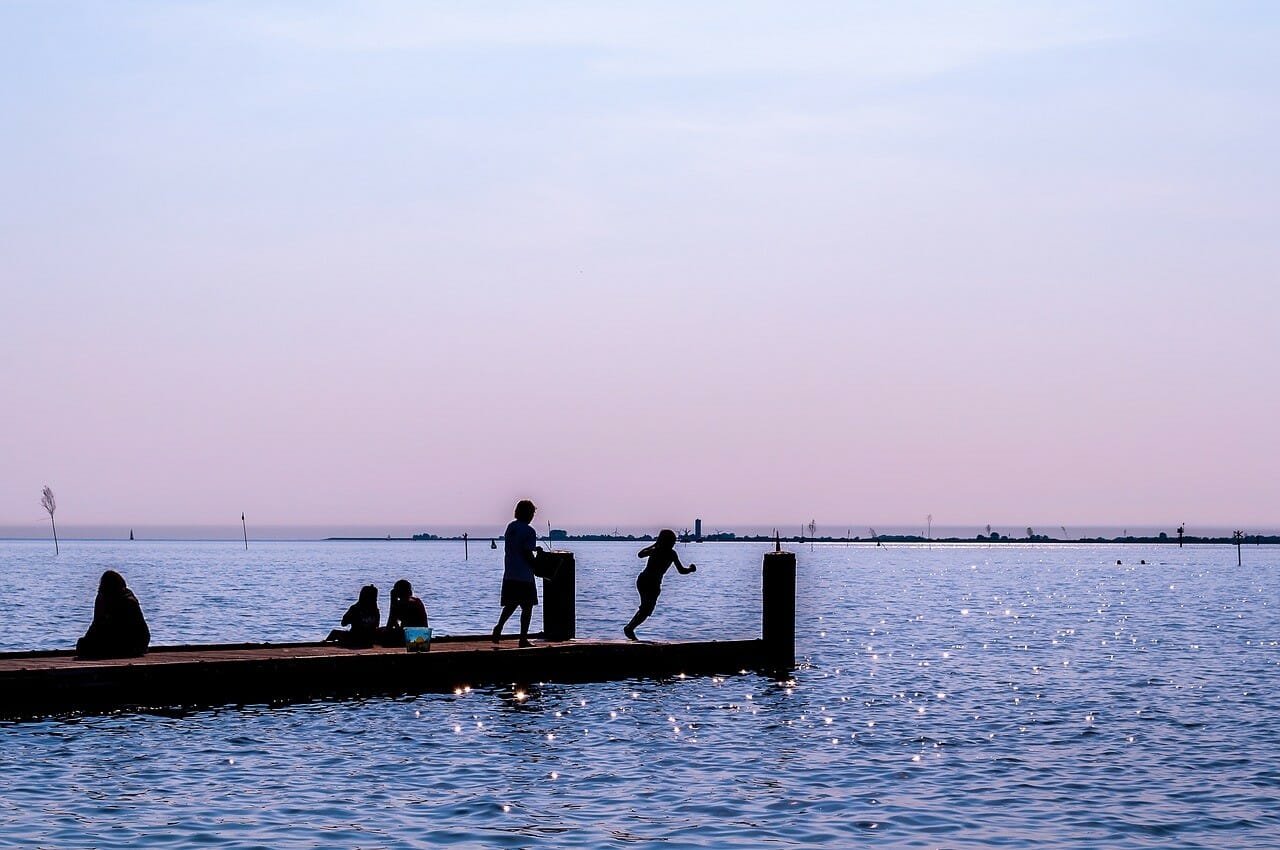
{"type": "Point", "coordinates": [35, 684]}
{"type": "Point", "coordinates": [38, 684]}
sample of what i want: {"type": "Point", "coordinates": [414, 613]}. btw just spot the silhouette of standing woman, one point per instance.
{"type": "Point", "coordinates": [661, 555]}
{"type": "Point", "coordinates": [518, 587]}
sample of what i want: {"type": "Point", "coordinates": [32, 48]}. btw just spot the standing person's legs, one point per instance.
{"type": "Point", "coordinates": [523, 595]}
{"type": "Point", "coordinates": [507, 611]}
{"type": "Point", "coordinates": [526, 614]}
{"type": "Point", "coordinates": [648, 600]}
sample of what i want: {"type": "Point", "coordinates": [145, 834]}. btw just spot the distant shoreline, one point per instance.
{"type": "Point", "coordinates": [1248, 539]}
{"type": "Point", "coordinates": [884, 540]}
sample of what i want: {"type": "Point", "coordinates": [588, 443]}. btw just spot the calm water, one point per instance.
{"type": "Point", "coordinates": [1008, 696]}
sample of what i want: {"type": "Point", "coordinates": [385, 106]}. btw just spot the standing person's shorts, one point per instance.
{"type": "Point", "coordinates": [649, 588]}
{"type": "Point", "coordinates": [519, 593]}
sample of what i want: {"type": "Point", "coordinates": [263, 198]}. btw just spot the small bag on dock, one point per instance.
{"type": "Point", "coordinates": [417, 639]}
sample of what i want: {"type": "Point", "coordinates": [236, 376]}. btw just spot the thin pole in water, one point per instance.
{"type": "Point", "coordinates": [245, 529]}
{"type": "Point", "coordinates": [1239, 537]}
{"type": "Point", "coordinates": [466, 552]}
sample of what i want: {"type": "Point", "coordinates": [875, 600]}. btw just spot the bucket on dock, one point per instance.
{"type": "Point", "coordinates": [417, 639]}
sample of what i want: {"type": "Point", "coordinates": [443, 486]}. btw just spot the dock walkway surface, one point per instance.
{"type": "Point", "coordinates": [36, 684]}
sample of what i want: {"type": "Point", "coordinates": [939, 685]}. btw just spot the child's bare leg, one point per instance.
{"type": "Point", "coordinates": [507, 611]}
{"type": "Point", "coordinates": [642, 614]}
{"type": "Point", "coordinates": [526, 614]}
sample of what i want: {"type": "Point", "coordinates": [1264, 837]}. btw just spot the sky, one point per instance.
{"type": "Point", "coordinates": [405, 263]}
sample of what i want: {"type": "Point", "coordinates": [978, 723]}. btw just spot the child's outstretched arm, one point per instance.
{"type": "Point", "coordinates": [681, 568]}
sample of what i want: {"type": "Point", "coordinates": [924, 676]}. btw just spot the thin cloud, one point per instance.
{"type": "Point", "coordinates": [658, 40]}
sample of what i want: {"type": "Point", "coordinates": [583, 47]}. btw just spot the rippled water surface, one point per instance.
{"type": "Point", "coordinates": [953, 696]}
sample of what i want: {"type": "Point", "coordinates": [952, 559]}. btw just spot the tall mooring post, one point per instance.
{"type": "Point", "coordinates": [778, 624]}
{"type": "Point", "coordinates": [559, 611]}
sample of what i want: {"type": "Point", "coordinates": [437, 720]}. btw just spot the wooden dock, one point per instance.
{"type": "Point", "coordinates": [36, 684]}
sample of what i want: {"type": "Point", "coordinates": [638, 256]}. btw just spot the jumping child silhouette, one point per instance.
{"type": "Point", "coordinates": [661, 555]}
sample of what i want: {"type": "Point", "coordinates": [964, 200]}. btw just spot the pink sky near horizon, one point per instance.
{"type": "Point", "coordinates": [1008, 264]}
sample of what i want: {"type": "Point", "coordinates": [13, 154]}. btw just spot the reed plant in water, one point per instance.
{"type": "Point", "coordinates": [50, 505]}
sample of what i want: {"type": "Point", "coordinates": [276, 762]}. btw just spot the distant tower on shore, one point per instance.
{"type": "Point", "coordinates": [697, 529]}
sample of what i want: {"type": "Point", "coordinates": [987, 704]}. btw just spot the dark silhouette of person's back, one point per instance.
{"type": "Point", "coordinates": [362, 618]}
{"type": "Point", "coordinates": [118, 629]}
{"type": "Point", "coordinates": [406, 610]}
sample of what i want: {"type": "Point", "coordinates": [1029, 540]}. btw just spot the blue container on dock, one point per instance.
{"type": "Point", "coordinates": [417, 639]}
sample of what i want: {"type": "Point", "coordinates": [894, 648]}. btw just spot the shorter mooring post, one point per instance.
{"type": "Point", "coordinates": [1239, 538]}
{"type": "Point", "coordinates": [559, 614]}
{"type": "Point", "coordinates": [778, 624]}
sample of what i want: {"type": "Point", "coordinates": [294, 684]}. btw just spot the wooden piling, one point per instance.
{"type": "Point", "coordinates": [778, 608]}
{"type": "Point", "coordinates": [559, 602]}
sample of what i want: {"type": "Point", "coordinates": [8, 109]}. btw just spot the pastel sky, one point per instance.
{"type": "Point", "coordinates": [400, 262]}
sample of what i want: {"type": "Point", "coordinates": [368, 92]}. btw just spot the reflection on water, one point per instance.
{"type": "Point", "coordinates": [949, 697]}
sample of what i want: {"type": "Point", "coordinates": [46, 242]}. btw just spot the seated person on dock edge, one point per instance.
{"type": "Point", "coordinates": [362, 618]}
{"type": "Point", "coordinates": [118, 630]}
{"type": "Point", "coordinates": [406, 611]}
